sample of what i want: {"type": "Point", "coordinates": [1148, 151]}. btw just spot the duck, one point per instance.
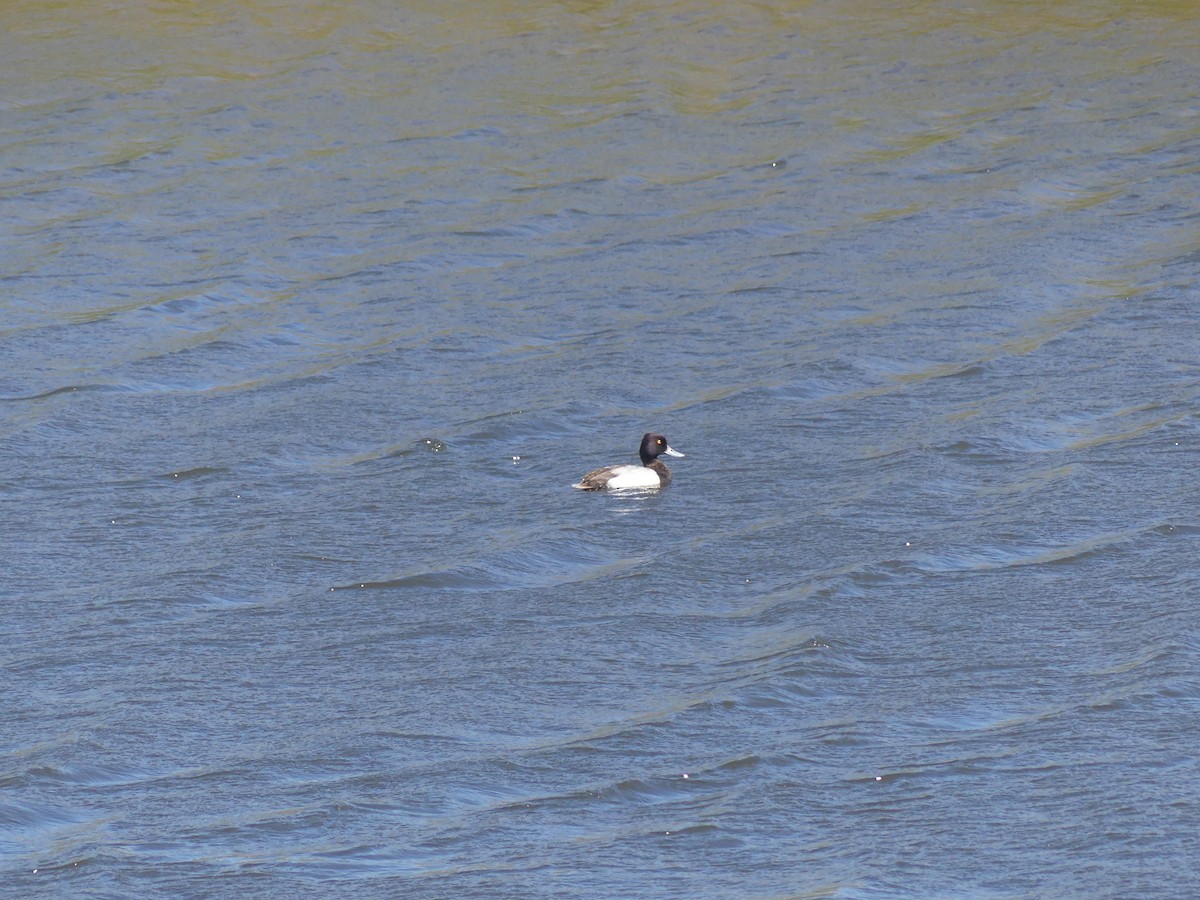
{"type": "Point", "coordinates": [650, 474]}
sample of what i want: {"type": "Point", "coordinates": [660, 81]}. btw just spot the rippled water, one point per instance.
{"type": "Point", "coordinates": [310, 315]}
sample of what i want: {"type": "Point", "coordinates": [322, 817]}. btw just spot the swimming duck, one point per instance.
{"type": "Point", "coordinates": [650, 474]}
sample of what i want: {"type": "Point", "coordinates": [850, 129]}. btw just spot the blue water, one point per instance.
{"type": "Point", "coordinates": [311, 316]}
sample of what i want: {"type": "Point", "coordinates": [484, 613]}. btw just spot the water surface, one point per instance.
{"type": "Point", "coordinates": [311, 314]}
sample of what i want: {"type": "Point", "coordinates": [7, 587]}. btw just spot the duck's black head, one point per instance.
{"type": "Point", "coordinates": [653, 445]}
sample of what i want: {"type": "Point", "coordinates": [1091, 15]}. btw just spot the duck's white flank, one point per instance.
{"type": "Point", "coordinates": [631, 477]}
